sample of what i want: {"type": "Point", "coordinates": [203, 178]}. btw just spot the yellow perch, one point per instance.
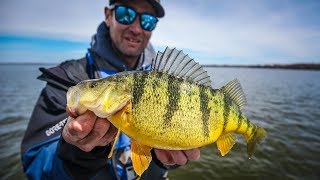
{"type": "Point", "coordinates": [171, 107]}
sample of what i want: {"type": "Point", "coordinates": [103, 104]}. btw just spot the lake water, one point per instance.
{"type": "Point", "coordinates": [285, 102]}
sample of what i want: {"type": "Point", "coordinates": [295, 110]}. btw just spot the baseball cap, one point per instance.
{"type": "Point", "coordinates": [154, 3]}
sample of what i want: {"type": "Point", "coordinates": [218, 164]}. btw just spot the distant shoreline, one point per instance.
{"type": "Point", "coordinates": [311, 66]}
{"type": "Point", "coordinates": [272, 66]}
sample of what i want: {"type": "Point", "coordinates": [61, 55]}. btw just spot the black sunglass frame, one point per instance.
{"type": "Point", "coordinates": [136, 15]}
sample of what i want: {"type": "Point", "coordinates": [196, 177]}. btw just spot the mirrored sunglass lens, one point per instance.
{"type": "Point", "coordinates": [125, 15]}
{"type": "Point", "coordinates": [148, 22]}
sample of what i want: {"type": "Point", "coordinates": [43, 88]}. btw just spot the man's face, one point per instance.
{"type": "Point", "coordinates": [129, 40]}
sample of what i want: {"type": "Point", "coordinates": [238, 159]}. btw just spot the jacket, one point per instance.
{"type": "Point", "coordinates": [45, 154]}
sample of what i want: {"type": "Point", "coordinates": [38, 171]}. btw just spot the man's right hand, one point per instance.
{"type": "Point", "coordinates": [87, 131]}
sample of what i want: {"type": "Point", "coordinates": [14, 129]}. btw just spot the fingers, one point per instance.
{"type": "Point", "coordinates": [88, 131]}
{"type": "Point", "coordinates": [179, 157]}
{"type": "Point", "coordinates": [102, 134]}
{"type": "Point", "coordinates": [79, 127]}
{"type": "Point", "coordinates": [71, 113]}
{"type": "Point", "coordinates": [164, 156]}
{"type": "Point", "coordinates": [192, 154]}
{"type": "Point", "coordinates": [172, 157]}
{"type": "Point", "coordinates": [109, 136]}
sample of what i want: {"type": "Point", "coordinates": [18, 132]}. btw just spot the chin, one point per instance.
{"type": "Point", "coordinates": [132, 51]}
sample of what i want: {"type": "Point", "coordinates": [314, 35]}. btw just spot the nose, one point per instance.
{"type": "Point", "coordinates": [135, 26]}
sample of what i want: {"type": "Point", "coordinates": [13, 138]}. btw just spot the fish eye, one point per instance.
{"type": "Point", "coordinates": [92, 85]}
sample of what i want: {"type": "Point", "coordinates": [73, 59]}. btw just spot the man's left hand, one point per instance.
{"type": "Point", "coordinates": [180, 157]}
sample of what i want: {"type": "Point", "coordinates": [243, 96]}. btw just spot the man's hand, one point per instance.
{"type": "Point", "coordinates": [173, 157]}
{"type": "Point", "coordinates": [87, 131]}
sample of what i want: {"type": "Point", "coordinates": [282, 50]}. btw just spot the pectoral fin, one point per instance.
{"type": "Point", "coordinates": [123, 117]}
{"type": "Point", "coordinates": [140, 156]}
{"type": "Point", "coordinates": [114, 143]}
{"type": "Point", "coordinates": [225, 143]}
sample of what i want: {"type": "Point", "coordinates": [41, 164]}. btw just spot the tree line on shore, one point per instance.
{"type": "Point", "coordinates": [311, 66]}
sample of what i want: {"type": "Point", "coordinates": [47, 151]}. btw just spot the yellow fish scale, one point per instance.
{"type": "Point", "coordinates": [235, 117]}
{"type": "Point", "coordinates": [185, 129]}
{"type": "Point", "coordinates": [147, 117]}
{"type": "Point", "coordinates": [216, 119]}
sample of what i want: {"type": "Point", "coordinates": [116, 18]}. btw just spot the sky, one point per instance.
{"type": "Point", "coordinates": [241, 32]}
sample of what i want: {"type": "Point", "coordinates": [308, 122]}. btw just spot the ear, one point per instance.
{"type": "Point", "coordinates": [108, 16]}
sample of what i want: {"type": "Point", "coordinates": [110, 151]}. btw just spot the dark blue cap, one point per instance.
{"type": "Point", "coordinates": [154, 3]}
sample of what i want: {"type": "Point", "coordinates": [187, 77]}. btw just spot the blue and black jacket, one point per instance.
{"type": "Point", "coordinates": [45, 154]}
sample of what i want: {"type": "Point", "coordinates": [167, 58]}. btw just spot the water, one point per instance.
{"type": "Point", "coordinates": [285, 102]}
{"type": "Point", "coordinates": [18, 94]}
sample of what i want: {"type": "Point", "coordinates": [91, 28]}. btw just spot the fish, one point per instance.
{"type": "Point", "coordinates": [171, 107]}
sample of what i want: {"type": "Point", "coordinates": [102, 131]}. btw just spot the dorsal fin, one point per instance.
{"type": "Point", "coordinates": [234, 91]}
{"type": "Point", "coordinates": [175, 62]}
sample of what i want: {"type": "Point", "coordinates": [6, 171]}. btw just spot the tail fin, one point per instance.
{"type": "Point", "coordinates": [257, 138]}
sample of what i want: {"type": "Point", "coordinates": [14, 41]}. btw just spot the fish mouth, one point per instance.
{"type": "Point", "coordinates": [96, 105]}
{"type": "Point", "coordinates": [73, 97]}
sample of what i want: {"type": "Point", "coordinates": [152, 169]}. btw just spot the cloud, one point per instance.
{"type": "Point", "coordinates": [72, 20]}
{"type": "Point", "coordinates": [241, 30]}
{"type": "Point", "coordinates": [214, 31]}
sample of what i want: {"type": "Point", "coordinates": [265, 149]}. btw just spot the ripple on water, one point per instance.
{"type": "Point", "coordinates": [11, 133]}
{"type": "Point", "coordinates": [284, 102]}
{"type": "Point", "coordinates": [11, 167]}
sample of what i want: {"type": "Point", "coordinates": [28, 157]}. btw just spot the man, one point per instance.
{"type": "Point", "coordinates": [61, 144]}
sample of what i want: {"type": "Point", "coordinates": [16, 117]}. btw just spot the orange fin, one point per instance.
{"type": "Point", "coordinates": [123, 117]}
{"type": "Point", "coordinates": [114, 143]}
{"type": "Point", "coordinates": [225, 143]}
{"type": "Point", "coordinates": [140, 156]}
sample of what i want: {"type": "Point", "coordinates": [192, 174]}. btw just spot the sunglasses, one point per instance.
{"type": "Point", "coordinates": [125, 15]}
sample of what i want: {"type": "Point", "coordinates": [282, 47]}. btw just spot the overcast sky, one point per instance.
{"type": "Point", "coordinates": [210, 31]}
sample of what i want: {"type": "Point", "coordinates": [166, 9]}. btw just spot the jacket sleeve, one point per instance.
{"type": "Point", "coordinates": [39, 144]}
{"type": "Point", "coordinates": [45, 155]}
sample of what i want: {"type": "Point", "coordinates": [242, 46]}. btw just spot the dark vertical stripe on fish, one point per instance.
{"type": "Point", "coordinates": [226, 112]}
{"type": "Point", "coordinates": [240, 119]}
{"type": "Point", "coordinates": [253, 129]}
{"type": "Point", "coordinates": [174, 98]}
{"type": "Point", "coordinates": [248, 125]}
{"type": "Point", "coordinates": [139, 81]}
{"type": "Point", "coordinates": [204, 108]}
